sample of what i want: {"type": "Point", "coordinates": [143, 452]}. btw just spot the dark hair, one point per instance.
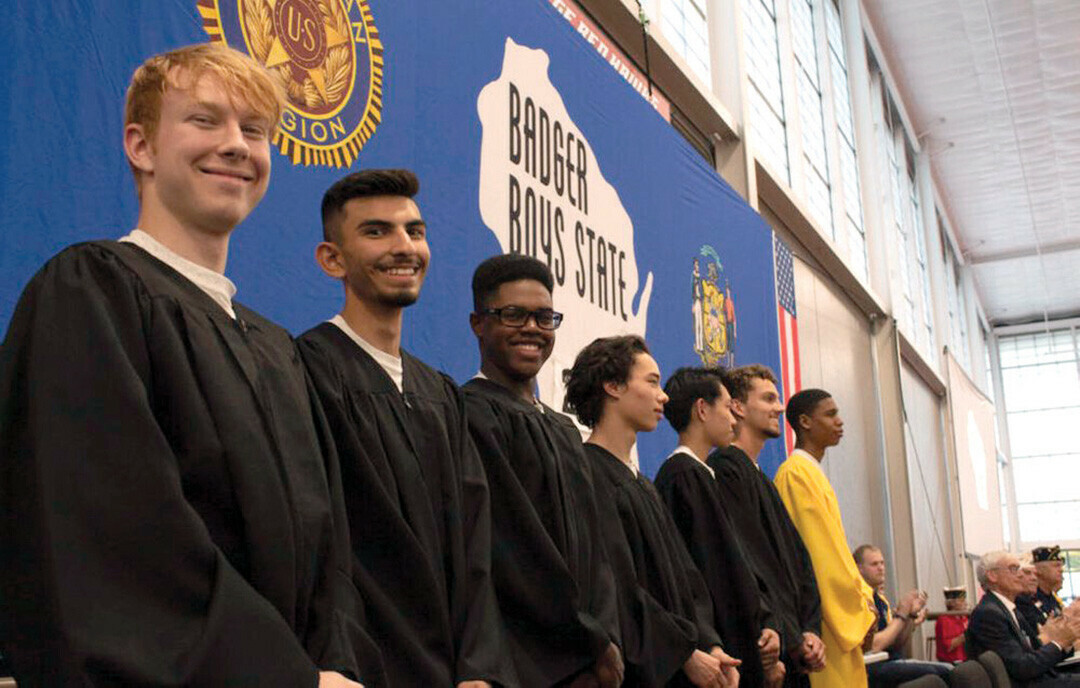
{"type": "Point", "coordinates": [503, 268]}
{"type": "Point", "coordinates": [803, 404]}
{"type": "Point", "coordinates": [861, 551]}
{"type": "Point", "coordinates": [607, 359]}
{"type": "Point", "coordinates": [364, 185]}
{"type": "Point", "coordinates": [684, 387]}
{"type": "Point", "coordinates": [739, 380]}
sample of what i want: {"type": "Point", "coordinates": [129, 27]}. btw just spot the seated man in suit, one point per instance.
{"type": "Point", "coordinates": [995, 626]}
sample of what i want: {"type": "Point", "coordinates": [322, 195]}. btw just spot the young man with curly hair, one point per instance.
{"type": "Point", "coordinates": [665, 614]}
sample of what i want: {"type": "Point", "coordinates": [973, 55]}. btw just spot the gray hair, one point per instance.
{"type": "Point", "coordinates": [987, 563]}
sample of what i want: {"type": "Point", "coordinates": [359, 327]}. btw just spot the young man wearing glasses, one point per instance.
{"type": "Point", "coordinates": [415, 490]}
{"type": "Point", "coordinates": [551, 575]}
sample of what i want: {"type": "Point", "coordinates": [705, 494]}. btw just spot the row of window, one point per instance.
{"type": "Point", "coordinates": [801, 127]}
{"type": "Point", "coordinates": [1070, 589]}
{"type": "Point", "coordinates": [1040, 375]}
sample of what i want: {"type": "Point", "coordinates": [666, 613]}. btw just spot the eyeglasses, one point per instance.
{"type": "Point", "coordinates": [516, 316]}
{"type": "Point", "coordinates": [1011, 568]}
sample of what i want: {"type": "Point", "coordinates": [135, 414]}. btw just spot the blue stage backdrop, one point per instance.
{"type": "Point", "coordinates": [524, 137]}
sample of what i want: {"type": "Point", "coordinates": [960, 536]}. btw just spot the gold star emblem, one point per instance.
{"type": "Point", "coordinates": [278, 55]}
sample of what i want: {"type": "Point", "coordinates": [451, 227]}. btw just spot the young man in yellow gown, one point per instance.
{"type": "Point", "coordinates": [846, 599]}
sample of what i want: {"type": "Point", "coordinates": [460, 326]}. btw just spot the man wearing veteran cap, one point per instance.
{"type": "Point", "coordinates": [949, 628]}
{"type": "Point", "coordinates": [1049, 569]}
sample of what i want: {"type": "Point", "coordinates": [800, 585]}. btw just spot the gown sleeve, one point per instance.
{"type": "Point", "coordinates": [108, 574]}
{"type": "Point", "coordinates": [531, 575]}
{"type": "Point", "coordinates": [683, 502]}
{"type": "Point", "coordinates": [706, 530]}
{"type": "Point", "coordinates": [655, 642]}
{"type": "Point", "coordinates": [809, 594]}
{"type": "Point", "coordinates": [604, 606]}
{"type": "Point", "coordinates": [343, 640]}
{"type": "Point", "coordinates": [474, 610]}
{"type": "Point", "coordinates": [708, 637]}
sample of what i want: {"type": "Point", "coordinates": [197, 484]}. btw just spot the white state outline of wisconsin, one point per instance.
{"type": "Point", "coordinates": [583, 321]}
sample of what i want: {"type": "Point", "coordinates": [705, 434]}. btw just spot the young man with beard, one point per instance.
{"type": "Point", "coordinates": [772, 545]}
{"type": "Point", "coordinates": [847, 601]}
{"type": "Point", "coordinates": [699, 409]}
{"type": "Point", "coordinates": [554, 585]}
{"type": "Point", "coordinates": [414, 486]}
{"type": "Point", "coordinates": [665, 614]}
{"type": "Point", "coordinates": [169, 514]}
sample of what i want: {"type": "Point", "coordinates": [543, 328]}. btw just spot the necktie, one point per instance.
{"type": "Point", "coordinates": [1022, 625]}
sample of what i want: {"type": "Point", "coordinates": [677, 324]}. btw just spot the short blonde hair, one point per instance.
{"type": "Point", "coordinates": [242, 77]}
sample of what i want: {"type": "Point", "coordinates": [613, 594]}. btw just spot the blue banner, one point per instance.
{"type": "Point", "coordinates": [524, 139]}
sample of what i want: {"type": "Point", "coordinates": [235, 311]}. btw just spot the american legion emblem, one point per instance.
{"type": "Point", "coordinates": [329, 59]}
{"type": "Point", "coordinates": [713, 308]}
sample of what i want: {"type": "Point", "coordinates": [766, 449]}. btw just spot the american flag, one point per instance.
{"type": "Point", "coordinates": [790, 379]}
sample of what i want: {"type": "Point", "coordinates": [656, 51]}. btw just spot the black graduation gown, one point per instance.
{"type": "Point", "coordinates": [169, 514]}
{"type": "Point", "coordinates": [419, 517]}
{"type": "Point", "coordinates": [556, 590]}
{"type": "Point", "coordinates": [690, 493]}
{"type": "Point", "coordinates": [664, 608]}
{"type": "Point", "coordinates": [772, 545]}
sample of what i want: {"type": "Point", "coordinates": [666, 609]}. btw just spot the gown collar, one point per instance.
{"type": "Point", "coordinates": [391, 364]}
{"type": "Point", "coordinates": [215, 285]}
{"type": "Point", "coordinates": [683, 449]}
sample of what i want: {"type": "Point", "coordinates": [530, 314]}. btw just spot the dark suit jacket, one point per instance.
{"type": "Point", "coordinates": [991, 628]}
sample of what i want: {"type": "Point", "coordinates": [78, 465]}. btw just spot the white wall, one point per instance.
{"type": "Point", "coordinates": [928, 477]}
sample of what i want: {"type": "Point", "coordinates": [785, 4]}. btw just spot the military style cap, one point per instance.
{"type": "Point", "coordinates": [1046, 554]}
{"type": "Point", "coordinates": [955, 593]}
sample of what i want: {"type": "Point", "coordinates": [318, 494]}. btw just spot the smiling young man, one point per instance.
{"type": "Point", "coordinates": [665, 614]}
{"type": "Point", "coordinates": [699, 409]}
{"type": "Point", "coordinates": [169, 516]}
{"type": "Point", "coordinates": [552, 577]}
{"type": "Point", "coordinates": [774, 551]}
{"type": "Point", "coordinates": [414, 486]}
{"type": "Point", "coordinates": [847, 601]}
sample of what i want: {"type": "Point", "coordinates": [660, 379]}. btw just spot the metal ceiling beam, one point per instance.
{"type": "Point", "coordinates": [1070, 244]}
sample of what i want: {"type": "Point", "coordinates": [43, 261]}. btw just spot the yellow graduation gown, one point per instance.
{"type": "Point", "coordinates": [845, 596]}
